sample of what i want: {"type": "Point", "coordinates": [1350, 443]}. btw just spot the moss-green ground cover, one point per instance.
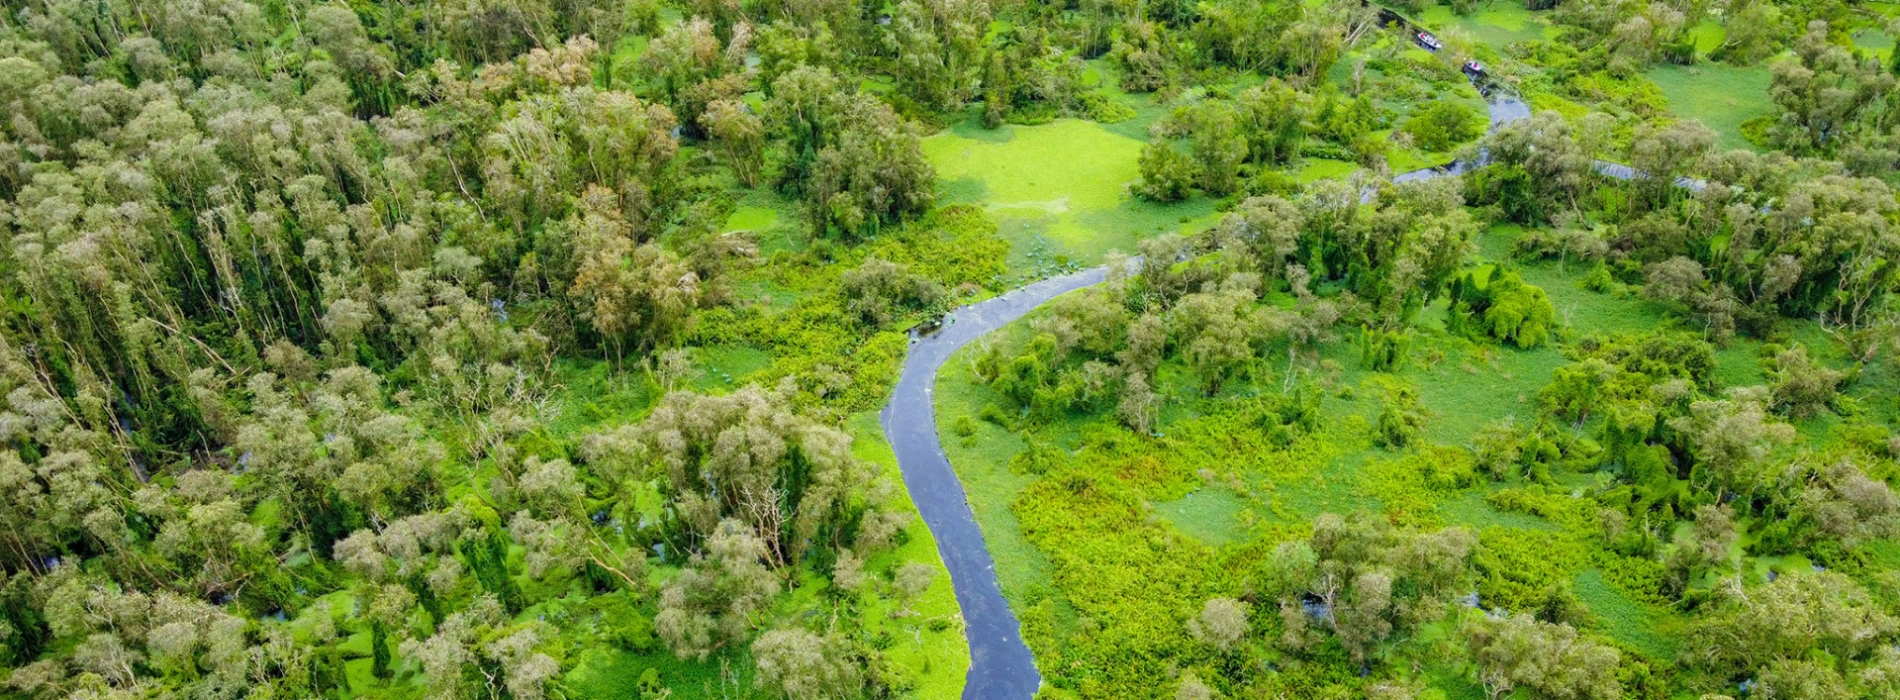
{"type": "Point", "coordinates": [1722, 96]}
{"type": "Point", "coordinates": [1059, 190]}
{"type": "Point", "coordinates": [1497, 23]}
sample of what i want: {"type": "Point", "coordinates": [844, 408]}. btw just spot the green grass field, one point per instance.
{"type": "Point", "coordinates": [1722, 96]}
{"type": "Point", "coordinates": [1059, 190]}
{"type": "Point", "coordinates": [1496, 23]}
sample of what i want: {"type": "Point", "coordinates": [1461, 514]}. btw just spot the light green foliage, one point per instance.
{"type": "Point", "coordinates": [1167, 175]}
{"type": "Point", "coordinates": [1499, 304]}
{"type": "Point", "coordinates": [1400, 416]}
{"type": "Point", "coordinates": [1444, 124]}
{"type": "Point", "coordinates": [1548, 659]}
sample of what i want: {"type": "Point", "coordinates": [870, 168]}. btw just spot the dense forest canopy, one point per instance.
{"type": "Point", "coordinates": [529, 348]}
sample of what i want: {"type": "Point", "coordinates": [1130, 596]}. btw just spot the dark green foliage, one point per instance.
{"type": "Point", "coordinates": [379, 649]}
{"type": "Point", "coordinates": [488, 560]}
{"type": "Point", "coordinates": [27, 633]}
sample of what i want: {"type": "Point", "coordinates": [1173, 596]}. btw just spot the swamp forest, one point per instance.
{"type": "Point", "coordinates": [880, 349]}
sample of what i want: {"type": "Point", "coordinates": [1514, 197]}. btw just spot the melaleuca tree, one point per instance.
{"type": "Point", "coordinates": [60, 482]}
{"type": "Point", "coordinates": [1365, 581]}
{"type": "Point", "coordinates": [635, 296]}
{"type": "Point", "coordinates": [1828, 97]}
{"type": "Point", "coordinates": [482, 31]}
{"type": "Point", "coordinates": [875, 174]}
{"type": "Point", "coordinates": [340, 33]}
{"type": "Point", "coordinates": [1553, 660]}
{"type": "Point", "coordinates": [1219, 332]}
{"type": "Point", "coordinates": [786, 45]}
{"type": "Point", "coordinates": [739, 134]}
{"type": "Point", "coordinates": [750, 458]}
{"type": "Point", "coordinates": [1797, 616]}
{"type": "Point", "coordinates": [1837, 230]}
{"type": "Point", "coordinates": [1536, 169]}
{"type": "Point", "coordinates": [1831, 502]}
{"type": "Point", "coordinates": [204, 537]}
{"type": "Point", "coordinates": [717, 598]}
{"type": "Point", "coordinates": [560, 533]}
{"type": "Point", "coordinates": [1167, 174]}
{"type": "Point", "coordinates": [1093, 321]}
{"type": "Point", "coordinates": [937, 48]}
{"type": "Point", "coordinates": [797, 664]}
{"type": "Point", "coordinates": [548, 150]}
{"type": "Point", "coordinates": [1731, 439]}
{"type": "Point", "coordinates": [842, 24]}
{"type": "Point", "coordinates": [1663, 155]}
{"type": "Point", "coordinates": [1397, 252]}
{"type": "Point", "coordinates": [332, 453]}
{"type": "Point", "coordinates": [1222, 624]}
{"type": "Point", "coordinates": [479, 646]}
{"type": "Point", "coordinates": [877, 289]}
{"type": "Point", "coordinates": [1803, 386]}
{"type": "Point", "coordinates": [854, 162]}
{"type": "Point", "coordinates": [1028, 74]}
{"type": "Point", "coordinates": [1218, 145]}
{"type": "Point", "coordinates": [1142, 52]}
{"type": "Point", "coordinates": [1309, 47]}
{"type": "Point", "coordinates": [693, 68]}
{"type": "Point", "coordinates": [129, 638]}
{"type": "Point", "coordinates": [1273, 119]}
{"type": "Point", "coordinates": [1443, 125]}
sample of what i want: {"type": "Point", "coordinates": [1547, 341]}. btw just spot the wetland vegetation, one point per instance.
{"type": "Point", "coordinates": [532, 348]}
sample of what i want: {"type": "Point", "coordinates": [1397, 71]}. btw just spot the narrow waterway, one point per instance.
{"type": "Point", "coordinates": [1000, 664]}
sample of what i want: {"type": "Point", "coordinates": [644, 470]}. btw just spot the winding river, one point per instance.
{"type": "Point", "coordinates": [1000, 663]}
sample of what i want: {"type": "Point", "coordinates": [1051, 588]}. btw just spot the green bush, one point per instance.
{"type": "Point", "coordinates": [1444, 124]}
{"type": "Point", "coordinates": [1383, 350]}
{"type": "Point", "coordinates": [1400, 416]}
{"type": "Point", "coordinates": [1502, 306]}
{"type": "Point", "coordinates": [1167, 174]}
